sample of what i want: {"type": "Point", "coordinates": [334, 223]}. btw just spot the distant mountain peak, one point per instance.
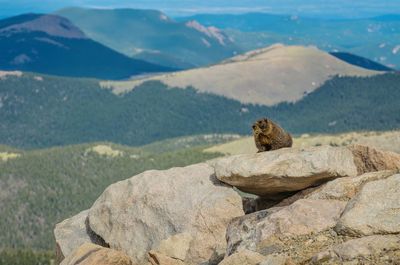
{"type": "Point", "coordinates": [53, 25]}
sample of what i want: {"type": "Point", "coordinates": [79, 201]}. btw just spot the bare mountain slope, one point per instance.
{"type": "Point", "coordinates": [266, 76]}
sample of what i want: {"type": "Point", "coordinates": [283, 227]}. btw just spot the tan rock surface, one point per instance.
{"type": "Point", "coordinates": [91, 254]}
{"type": "Point", "coordinates": [285, 170]}
{"type": "Point", "coordinates": [73, 232]}
{"type": "Point", "coordinates": [261, 231]}
{"type": "Point", "coordinates": [375, 209]}
{"type": "Point", "coordinates": [243, 257]}
{"type": "Point", "coordinates": [156, 258]}
{"type": "Point", "coordinates": [369, 159]}
{"type": "Point", "coordinates": [153, 209]}
{"type": "Point", "coordinates": [363, 248]}
{"type": "Point", "coordinates": [342, 189]}
{"type": "Point", "coordinates": [293, 169]}
{"type": "Point", "coordinates": [277, 260]}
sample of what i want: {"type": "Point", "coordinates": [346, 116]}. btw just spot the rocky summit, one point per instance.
{"type": "Point", "coordinates": [318, 205]}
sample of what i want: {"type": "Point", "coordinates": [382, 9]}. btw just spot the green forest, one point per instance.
{"type": "Point", "coordinates": [44, 187]}
{"type": "Point", "coordinates": [62, 111]}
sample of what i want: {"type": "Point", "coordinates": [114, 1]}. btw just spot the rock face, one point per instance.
{"type": "Point", "coordinates": [73, 232]}
{"type": "Point", "coordinates": [186, 216]}
{"type": "Point", "coordinates": [287, 170]}
{"type": "Point", "coordinates": [261, 231]}
{"type": "Point", "coordinates": [361, 248]}
{"type": "Point", "coordinates": [244, 257]}
{"type": "Point", "coordinates": [91, 254]}
{"type": "Point", "coordinates": [156, 258]}
{"type": "Point", "coordinates": [375, 209]}
{"type": "Point", "coordinates": [368, 159]}
{"type": "Point", "coordinates": [181, 212]}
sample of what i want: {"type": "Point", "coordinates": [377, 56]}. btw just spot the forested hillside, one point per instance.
{"type": "Point", "coordinates": [58, 111]}
{"type": "Point", "coordinates": [43, 187]}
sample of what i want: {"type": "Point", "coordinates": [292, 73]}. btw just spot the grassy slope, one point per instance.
{"type": "Point", "coordinates": [267, 76]}
{"type": "Point", "coordinates": [43, 187]}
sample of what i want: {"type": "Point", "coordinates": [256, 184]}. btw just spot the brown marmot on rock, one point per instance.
{"type": "Point", "coordinates": [270, 136]}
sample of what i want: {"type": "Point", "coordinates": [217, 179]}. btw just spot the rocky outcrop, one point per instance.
{"type": "Point", "coordinates": [263, 231]}
{"type": "Point", "coordinates": [368, 159]}
{"type": "Point", "coordinates": [375, 209]}
{"type": "Point", "coordinates": [91, 254]}
{"type": "Point", "coordinates": [304, 226]}
{"type": "Point", "coordinates": [73, 232]}
{"type": "Point", "coordinates": [181, 213]}
{"type": "Point", "coordinates": [320, 205]}
{"type": "Point", "coordinates": [286, 170]}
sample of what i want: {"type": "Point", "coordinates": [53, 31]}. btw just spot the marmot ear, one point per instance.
{"type": "Point", "coordinates": [266, 120]}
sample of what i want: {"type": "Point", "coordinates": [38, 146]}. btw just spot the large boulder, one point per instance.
{"type": "Point", "coordinates": [91, 254]}
{"type": "Point", "coordinates": [159, 210]}
{"type": "Point", "coordinates": [73, 232]}
{"type": "Point", "coordinates": [375, 209]}
{"type": "Point", "coordinates": [291, 169]}
{"type": "Point", "coordinates": [263, 231]}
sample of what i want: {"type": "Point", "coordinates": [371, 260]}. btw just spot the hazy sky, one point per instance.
{"type": "Point", "coordinates": [331, 8]}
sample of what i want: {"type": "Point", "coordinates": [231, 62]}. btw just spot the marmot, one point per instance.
{"type": "Point", "coordinates": [270, 136]}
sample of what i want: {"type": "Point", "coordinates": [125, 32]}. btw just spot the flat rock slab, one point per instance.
{"type": "Point", "coordinates": [160, 210]}
{"type": "Point", "coordinates": [259, 231]}
{"type": "Point", "coordinates": [285, 170]}
{"type": "Point", "coordinates": [73, 232]}
{"type": "Point", "coordinates": [291, 169]}
{"type": "Point", "coordinates": [91, 254]}
{"type": "Point", "coordinates": [374, 210]}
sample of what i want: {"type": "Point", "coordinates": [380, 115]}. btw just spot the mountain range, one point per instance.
{"type": "Point", "coordinates": [51, 44]}
{"type": "Point", "coordinates": [120, 43]}
{"type": "Point", "coordinates": [153, 36]}
{"type": "Point", "coordinates": [375, 38]}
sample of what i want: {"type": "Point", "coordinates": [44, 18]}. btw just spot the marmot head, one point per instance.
{"type": "Point", "coordinates": [262, 126]}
